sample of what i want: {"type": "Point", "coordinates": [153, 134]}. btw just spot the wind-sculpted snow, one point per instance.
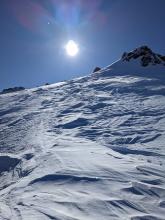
{"type": "Point", "coordinates": [88, 149]}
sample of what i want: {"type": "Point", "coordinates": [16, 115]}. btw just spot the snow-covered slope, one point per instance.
{"type": "Point", "coordinates": [88, 149]}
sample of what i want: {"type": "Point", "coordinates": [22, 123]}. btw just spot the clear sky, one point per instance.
{"type": "Point", "coordinates": [33, 34]}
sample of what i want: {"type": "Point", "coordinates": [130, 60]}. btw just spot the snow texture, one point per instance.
{"type": "Point", "coordinates": [91, 148]}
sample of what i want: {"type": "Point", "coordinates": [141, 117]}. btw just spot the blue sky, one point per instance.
{"type": "Point", "coordinates": [34, 32]}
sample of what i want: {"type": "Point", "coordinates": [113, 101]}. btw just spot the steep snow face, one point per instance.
{"type": "Point", "coordinates": [88, 149]}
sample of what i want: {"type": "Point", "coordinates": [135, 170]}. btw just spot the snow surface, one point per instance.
{"type": "Point", "coordinates": [88, 149]}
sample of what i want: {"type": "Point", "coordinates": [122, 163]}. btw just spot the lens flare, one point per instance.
{"type": "Point", "coordinates": [71, 48]}
{"type": "Point", "coordinates": [69, 15]}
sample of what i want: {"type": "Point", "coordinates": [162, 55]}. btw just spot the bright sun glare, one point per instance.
{"type": "Point", "coordinates": [72, 48]}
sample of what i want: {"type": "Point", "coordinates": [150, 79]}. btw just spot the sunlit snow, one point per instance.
{"type": "Point", "coordinates": [88, 149]}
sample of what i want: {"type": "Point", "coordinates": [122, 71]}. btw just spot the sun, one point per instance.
{"type": "Point", "coordinates": [72, 48]}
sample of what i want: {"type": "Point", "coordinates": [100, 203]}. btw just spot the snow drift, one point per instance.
{"type": "Point", "coordinates": [90, 148]}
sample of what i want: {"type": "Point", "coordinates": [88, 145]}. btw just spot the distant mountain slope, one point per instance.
{"type": "Point", "coordinates": [87, 149]}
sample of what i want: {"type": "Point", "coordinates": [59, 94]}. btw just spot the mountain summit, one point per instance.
{"type": "Point", "coordinates": [145, 55]}
{"type": "Point", "coordinates": [140, 62]}
{"type": "Point", "coordinates": [91, 148]}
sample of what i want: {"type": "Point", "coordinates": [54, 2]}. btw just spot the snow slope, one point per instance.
{"type": "Point", "coordinates": [87, 149]}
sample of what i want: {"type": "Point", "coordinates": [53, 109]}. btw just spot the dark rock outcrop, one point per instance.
{"type": "Point", "coordinates": [96, 69]}
{"type": "Point", "coordinates": [14, 89]}
{"type": "Point", "coordinates": [146, 56]}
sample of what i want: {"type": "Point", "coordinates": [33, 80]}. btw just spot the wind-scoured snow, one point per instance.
{"type": "Point", "coordinates": [91, 148]}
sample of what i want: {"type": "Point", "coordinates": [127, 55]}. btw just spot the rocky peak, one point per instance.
{"type": "Point", "coordinates": [146, 56]}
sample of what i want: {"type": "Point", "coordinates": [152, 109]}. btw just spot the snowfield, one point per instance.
{"type": "Point", "coordinates": [92, 148]}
